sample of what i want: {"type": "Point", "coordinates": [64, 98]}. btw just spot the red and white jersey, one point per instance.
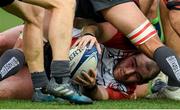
{"type": "Point", "coordinates": [117, 48]}
{"type": "Point", "coordinates": [109, 58]}
{"type": "Point", "coordinates": [107, 61]}
{"type": "Point", "coordinates": [76, 32]}
{"type": "Point", "coordinates": [75, 35]}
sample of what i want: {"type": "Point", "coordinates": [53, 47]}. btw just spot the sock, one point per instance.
{"type": "Point", "coordinates": [169, 63]}
{"type": "Point", "coordinates": [11, 62]}
{"type": "Point", "coordinates": [60, 70]}
{"type": "Point", "coordinates": [39, 79]}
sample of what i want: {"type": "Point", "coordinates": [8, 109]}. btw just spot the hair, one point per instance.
{"type": "Point", "coordinates": [154, 72]}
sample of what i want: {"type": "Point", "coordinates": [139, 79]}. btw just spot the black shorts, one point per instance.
{"type": "Point", "coordinates": [4, 3]}
{"type": "Point", "coordinates": [173, 5]}
{"type": "Point", "coordinates": [90, 9]}
{"type": "Point", "coordinates": [99, 5]}
{"type": "Point", "coordinates": [47, 58]}
{"type": "Point", "coordinates": [85, 10]}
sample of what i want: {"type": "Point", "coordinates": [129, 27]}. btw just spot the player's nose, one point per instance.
{"type": "Point", "coordinates": [129, 70]}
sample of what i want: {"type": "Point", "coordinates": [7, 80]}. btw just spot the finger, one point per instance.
{"type": "Point", "coordinates": [98, 47]}
{"type": "Point", "coordinates": [79, 82]}
{"type": "Point", "coordinates": [76, 43]}
{"type": "Point", "coordinates": [80, 43]}
{"type": "Point", "coordinates": [85, 43]}
{"type": "Point", "coordinates": [91, 44]}
{"type": "Point", "coordinates": [76, 82]}
{"type": "Point", "coordinates": [82, 81]}
{"type": "Point", "coordinates": [87, 77]}
{"type": "Point", "coordinates": [92, 73]}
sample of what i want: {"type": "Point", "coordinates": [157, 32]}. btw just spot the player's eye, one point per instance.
{"type": "Point", "coordinates": [139, 77]}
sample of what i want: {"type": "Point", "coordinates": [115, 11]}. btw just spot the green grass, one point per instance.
{"type": "Point", "coordinates": [8, 20]}
{"type": "Point", "coordinates": [124, 104]}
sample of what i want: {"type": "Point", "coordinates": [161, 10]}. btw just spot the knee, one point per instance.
{"type": "Point", "coordinates": [5, 94]}
{"type": "Point", "coordinates": [2, 41]}
{"type": "Point", "coordinates": [71, 4]}
{"type": "Point", "coordinates": [37, 16]}
{"type": "Point", "coordinates": [4, 45]}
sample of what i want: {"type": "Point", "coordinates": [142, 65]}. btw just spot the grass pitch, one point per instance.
{"type": "Point", "coordinates": [123, 104]}
{"type": "Point", "coordinates": [8, 20]}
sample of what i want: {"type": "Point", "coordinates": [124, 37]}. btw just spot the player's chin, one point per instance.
{"type": "Point", "coordinates": [130, 81]}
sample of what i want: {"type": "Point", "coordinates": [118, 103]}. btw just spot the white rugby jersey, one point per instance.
{"type": "Point", "coordinates": [107, 61]}
{"type": "Point", "coordinates": [76, 32]}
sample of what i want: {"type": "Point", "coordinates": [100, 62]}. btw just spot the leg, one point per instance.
{"type": "Point", "coordinates": [173, 16]}
{"type": "Point", "coordinates": [33, 44]}
{"type": "Point", "coordinates": [60, 66]}
{"type": "Point", "coordinates": [170, 25]}
{"type": "Point", "coordinates": [18, 86]}
{"type": "Point", "coordinates": [32, 29]}
{"type": "Point", "coordinates": [59, 25]}
{"type": "Point", "coordinates": [8, 38]}
{"type": "Point", "coordinates": [60, 30]}
{"type": "Point", "coordinates": [151, 44]}
{"type": "Point", "coordinates": [130, 10]}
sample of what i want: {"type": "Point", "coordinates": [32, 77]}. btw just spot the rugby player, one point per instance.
{"type": "Point", "coordinates": [33, 46]}
{"type": "Point", "coordinates": [117, 72]}
{"type": "Point", "coordinates": [13, 79]}
{"type": "Point", "coordinates": [169, 24]}
{"type": "Point", "coordinates": [13, 60]}
{"type": "Point", "coordinates": [128, 19]}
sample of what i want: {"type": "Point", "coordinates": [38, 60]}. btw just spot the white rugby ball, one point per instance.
{"type": "Point", "coordinates": [81, 60]}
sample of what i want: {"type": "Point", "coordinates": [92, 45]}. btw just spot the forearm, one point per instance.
{"type": "Point", "coordinates": [97, 93]}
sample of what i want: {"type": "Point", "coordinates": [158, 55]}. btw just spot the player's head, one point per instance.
{"type": "Point", "coordinates": [137, 68]}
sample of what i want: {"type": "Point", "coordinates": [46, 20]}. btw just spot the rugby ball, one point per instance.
{"type": "Point", "coordinates": [81, 60]}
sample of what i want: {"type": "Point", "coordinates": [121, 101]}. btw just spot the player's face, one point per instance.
{"type": "Point", "coordinates": [134, 69]}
